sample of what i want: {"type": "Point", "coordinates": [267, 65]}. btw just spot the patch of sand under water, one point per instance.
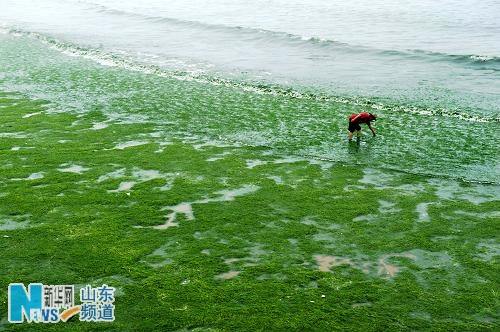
{"type": "Point", "coordinates": [227, 275]}
{"type": "Point", "coordinates": [14, 135]}
{"type": "Point", "coordinates": [219, 156]}
{"type": "Point", "coordinates": [251, 163]}
{"type": "Point", "coordinates": [473, 193]}
{"type": "Point", "coordinates": [10, 223]}
{"type": "Point", "coordinates": [389, 270]}
{"type": "Point", "coordinates": [277, 179]}
{"type": "Point", "coordinates": [423, 214]}
{"type": "Point", "coordinates": [99, 126]}
{"type": "Point", "coordinates": [124, 186]}
{"type": "Point", "coordinates": [129, 144]}
{"type": "Point", "coordinates": [326, 262]}
{"type": "Point", "coordinates": [139, 176]}
{"type": "Point", "coordinates": [72, 168]}
{"type": "Point", "coordinates": [489, 250]}
{"type": "Point", "coordinates": [31, 177]}
{"type": "Point", "coordinates": [387, 207]}
{"type": "Point", "coordinates": [383, 267]}
{"type": "Point", "coordinates": [186, 208]}
{"type": "Point", "coordinates": [119, 173]}
{"type": "Point", "coordinates": [365, 217]}
{"type": "Point", "coordinates": [381, 180]}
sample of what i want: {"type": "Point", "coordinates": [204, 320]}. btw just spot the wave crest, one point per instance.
{"type": "Point", "coordinates": [110, 59]}
{"type": "Point", "coordinates": [493, 62]}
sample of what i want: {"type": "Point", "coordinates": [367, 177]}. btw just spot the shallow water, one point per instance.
{"type": "Point", "coordinates": [233, 73]}
{"type": "Point", "coordinates": [447, 51]}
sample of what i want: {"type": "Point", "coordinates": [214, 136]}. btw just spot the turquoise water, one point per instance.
{"type": "Point", "coordinates": [277, 74]}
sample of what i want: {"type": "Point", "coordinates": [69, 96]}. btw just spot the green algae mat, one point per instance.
{"type": "Point", "coordinates": [206, 235]}
{"type": "Point", "coordinates": [218, 205]}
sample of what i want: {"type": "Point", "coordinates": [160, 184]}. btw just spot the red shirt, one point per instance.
{"type": "Point", "coordinates": [362, 118]}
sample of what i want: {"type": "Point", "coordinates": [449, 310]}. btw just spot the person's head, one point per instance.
{"type": "Point", "coordinates": [373, 116]}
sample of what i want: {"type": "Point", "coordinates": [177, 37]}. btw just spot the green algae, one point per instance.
{"type": "Point", "coordinates": [237, 258]}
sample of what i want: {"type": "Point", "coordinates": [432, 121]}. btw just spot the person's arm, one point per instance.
{"type": "Point", "coordinates": [371, 128]}
{"type": "Point", "coordinates": [355, 118]}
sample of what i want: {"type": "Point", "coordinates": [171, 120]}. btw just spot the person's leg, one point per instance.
{"type": "Point", "coordinates": [357, 131]}
{"type": "Point", "coordinates": [352, 129]}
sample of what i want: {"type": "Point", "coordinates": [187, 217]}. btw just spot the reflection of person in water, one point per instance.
{"type": "Point", "coordinates": [356, 119]}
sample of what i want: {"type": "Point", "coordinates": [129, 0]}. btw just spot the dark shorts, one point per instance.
{"type": "Point", "coordinates": [353, 127]}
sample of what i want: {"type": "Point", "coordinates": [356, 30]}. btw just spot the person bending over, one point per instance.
{"type": "Point", "coordinates": [356, 119]}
